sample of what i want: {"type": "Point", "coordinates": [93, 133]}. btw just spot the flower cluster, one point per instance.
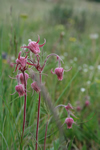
{"type": "Point", "coordinates": [34, 47]}
{"type": "Point", "coordinates": [22, 64]}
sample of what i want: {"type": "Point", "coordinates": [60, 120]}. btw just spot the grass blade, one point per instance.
{"type": "Point", "coordinates": [66, 88]}
{"type": "Point", "coordinates": [4, 140]}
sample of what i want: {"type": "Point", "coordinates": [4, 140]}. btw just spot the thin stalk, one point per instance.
{"type": "Point", "coordinates": [60, 105]}
{"type": "Point", "coordinates": [52, 54]}
{"type": "Point", "coordinates": [38, 116]}
{"type": "Point", "coordinates": [25, 98]}
{"type": "Point", "coordinates": [45, 135]}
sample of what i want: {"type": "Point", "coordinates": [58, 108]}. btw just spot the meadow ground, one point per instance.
{"type": "Point", "coordinates": [71, 30]}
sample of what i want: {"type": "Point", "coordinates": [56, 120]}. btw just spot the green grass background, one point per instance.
{"type": "Point", "coordinates": [22, 20]}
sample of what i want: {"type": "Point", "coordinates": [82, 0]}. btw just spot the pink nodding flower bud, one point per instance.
{"type": "Point", "coordinates": [59, 72]}
{"type": "Point", "coordinates": [69, 121]}
{"type": "Point", "coordinates": [21, 78]}
{"type": "Point", "coordinates": [87, 103]}
{"type": "Point", "coordinates": [22, 61]}
{"type": "Point", "coordinates": [33, 46]}
{"type": "Point", "coordinates": [20, 89]}
{"type": "Point", "coordinates": [35, 87]}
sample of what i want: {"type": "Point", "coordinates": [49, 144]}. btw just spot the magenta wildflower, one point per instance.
{"type": "Point", "coordinates": [33, 46]}
{"type": "Point", "coordinates": [87, 103]}
{"type": "Point", "coordinates": [78, 108]}
{"type": "Point", "coordinates": [21, 62]}
{"type": "Point", "coordinates": [59, 72]}
{"type": "Point", "coordinates": [20, 89]}
{"type": "Point", "coordinates": [21, 78]}
{"type": "Point", "coordinates": [35, 87]}
{"type": "Point", "coordinates": [69, 121]}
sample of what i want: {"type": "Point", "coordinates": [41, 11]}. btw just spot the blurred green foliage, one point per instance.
{"type": "Point", "coordinates": [80, 21]}
{"type": "Point", "coordinates": [27, 20]}
{"type": "Point", "coordinates": [60, 15]}
{"type": "Point", "coordinates": [94, 0]}
{"type": "Point", "coordinates": [65, 15]}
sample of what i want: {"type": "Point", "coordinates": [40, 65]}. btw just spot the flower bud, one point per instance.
{"type": "Point", "coordinates": [20, 89]}
{"type": "Point", "coordinates": [21, 78]}
{"type": "Point", "coordinates": [59, 72]}
{"type": "Point", "coordinates": [69, 121]}
{"type": "Point", "coordinates": [35, 87]}
{"type": "Point", "coordinates": [87, 103]}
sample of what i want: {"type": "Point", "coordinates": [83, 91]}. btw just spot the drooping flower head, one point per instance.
{"type": "Point", "coordinates": [21, 78]}
{"type": "Point", "coordinates": [78, 108]}
{"type": "Point", "coordinates": [21, 62]}
{"type": "Point", "coordinates": [59, 72]}
{"type": "Point", "coordinates": [35, 87]}
{"type": "Point", "coordinates": [33, 46]}
{"type": "Point", "coordinates": [20, 89]}
{"type": "Point", "coordinates": [87, 103]}
{"type": "Point", "coordinates": [69, 121]}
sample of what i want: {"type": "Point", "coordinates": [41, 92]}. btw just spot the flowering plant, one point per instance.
{"type": "Point", "coordinates": [22, 64]}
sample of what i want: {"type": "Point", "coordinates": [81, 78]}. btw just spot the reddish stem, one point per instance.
{"type": "Point", "coordinates": [38, 116]}
{"type": "Point", "coordinates": [25, 98]}
{"type": "Point", "coordinates": [45, 135]}
{"type": "Point", "coordinates": [52, 54]}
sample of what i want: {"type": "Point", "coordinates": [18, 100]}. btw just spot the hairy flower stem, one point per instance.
{"type": "Point", "coordinates": [38, 116]}
{"type": "Point", "coordinates": [52, 54]}
{"type": "Point", "coordinates": [25, 98]}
